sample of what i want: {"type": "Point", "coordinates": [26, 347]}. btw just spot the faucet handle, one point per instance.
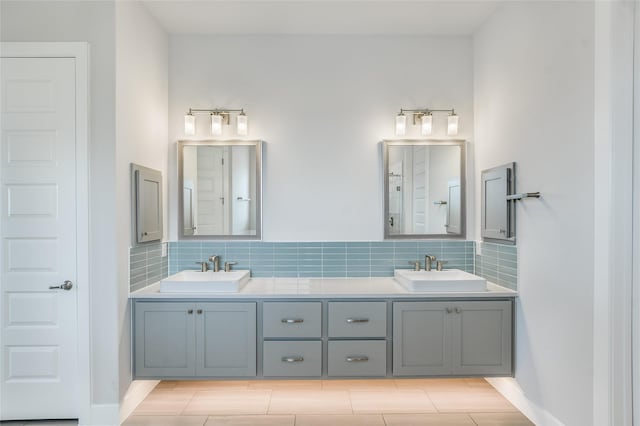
{"type": "Point", "coordinates": [227, 266]}
{"type": "Point", "coordinates": [204, 266]}
{"type": "Point", "coordinates": [439, 264]}
{"type": "Point", "coordinates": [416, 264]}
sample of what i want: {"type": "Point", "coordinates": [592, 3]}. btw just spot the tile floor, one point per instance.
{"type": "Point", "coordinates": [408, 402]}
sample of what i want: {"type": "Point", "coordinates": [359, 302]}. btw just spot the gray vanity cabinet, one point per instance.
{"type": "Point", "coordinates": [165, 339]}
{"type": "Point", "coordinates": [452, 338]}
{"type": "Point", "coordinates": [421, 339]}
{"type": "Point", "coordinates": [186, 339]}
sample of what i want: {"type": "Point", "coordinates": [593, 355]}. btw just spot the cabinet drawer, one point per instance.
{"type": "Point", "coordinates": [292, 319]}
{"type": "Point", "coordinates": [285, 359]}
{"type": "Point", "coordinates": [357, 319]}
{"type": "Point", "coordinates": [357, 358]}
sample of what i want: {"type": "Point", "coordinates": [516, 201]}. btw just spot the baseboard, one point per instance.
{"type": "Point", "coordinates": [137, 392]}
{"type": "Point", "coordinates": [510, 389]}
{"type": "Point", "coordinates": [102, 415]}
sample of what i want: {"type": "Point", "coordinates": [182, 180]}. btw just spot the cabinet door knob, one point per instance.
{"type": "Point", "coordinates": [357, 358]}
{"type": "Point", "coordinates": [448, 310]}
{"type": "Point", "coordinates": [292, 320]}
{"type": "Point", "coordinates": [190, 311]}
{"type": "Point", "coordinates": [357, 320]}
{"type": "Point", "coordinates": [199, 311]}
{"type": "Point", "coordinates": [458, 310]}
{"type": "Point", "coordinates": [295, 358]}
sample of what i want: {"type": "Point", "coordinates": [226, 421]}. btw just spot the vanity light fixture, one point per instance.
{"type": "Point", "coordinates": [219, 117]}
{"type": "Point", "coordinates": [401, 124]}
{"type": "Point", "coordinates": [452, 124]}
{"type": "Point", "coordinates": [242, 124]}
{"type": "Point", "coordinates": [425, 118]}
{"type": "Point", "coordinates": [189, 124]}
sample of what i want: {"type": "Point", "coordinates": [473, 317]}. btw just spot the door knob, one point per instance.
{"type": "Point", "coordinates": [67, 285]}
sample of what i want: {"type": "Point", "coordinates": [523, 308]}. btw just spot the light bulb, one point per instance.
{"type": "Point", "coordinates": [401, 124]}
{"type": "Point", "coordinates": [452, 125]}
{"type": "Point", "coordinates": [216, 124]}
{"type": "Point", "coordinates": [242, 124]}
{"type": "Point", "coordinates": [189, 124]}
{"type": "Point", "coordinates": [427, 124]}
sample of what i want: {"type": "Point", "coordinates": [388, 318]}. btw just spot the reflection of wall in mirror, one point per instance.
{"type": "Point", "coordinates": [243, 200]}
{"type": "Point", "coordinates": [190, 190]}
{"type": "Point", "coordinates": [444, 165]}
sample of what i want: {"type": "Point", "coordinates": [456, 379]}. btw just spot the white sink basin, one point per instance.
{"type": "Point", "coordinates": [442, 281]}
{"type": "Point", "coordinates": [205, 282]}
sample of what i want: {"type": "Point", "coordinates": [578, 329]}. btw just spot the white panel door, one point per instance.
{"type": "Point", "coordinates": [38, 357]}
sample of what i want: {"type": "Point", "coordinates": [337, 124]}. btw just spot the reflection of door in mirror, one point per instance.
{"type": "Point", "coordinates": [395, 198]}
{"type": "Point", "coordinates": [212, 190]}
{"type": "Point", "coordinates": [453, 207]}
{"type": "Point", "coordinates": [220, 183]}
{"type": "Point", "coordinates": [424, 190]}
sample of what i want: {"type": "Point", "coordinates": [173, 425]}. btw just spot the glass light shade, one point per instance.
{"type": "Point", "coordinates": [216, 124]}
{"type": "Point", "coordinates": [242, 125]}
{"type": "Point", "coordinates": [452, 125]}
{"type": "Point", "coordinates": [427, 125]}
{"type": "Point", "coordinates": [401, 124]}
{"type": "Point", "coordinates": [189, 125]}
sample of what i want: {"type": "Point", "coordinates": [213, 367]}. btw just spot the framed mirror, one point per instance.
{"type": "Point", "coordinates": [220, 194]}
{"type": "Point", "coordinates": [424, 187]}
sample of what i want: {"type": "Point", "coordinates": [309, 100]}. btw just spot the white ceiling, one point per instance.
{"type": "Point", "coordinates": [360, 17]}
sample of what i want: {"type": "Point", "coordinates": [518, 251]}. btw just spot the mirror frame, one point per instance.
{"type": "Point", "coordinates": [386, 143]}
{"type": "Point", "coordinates": [258, 144]}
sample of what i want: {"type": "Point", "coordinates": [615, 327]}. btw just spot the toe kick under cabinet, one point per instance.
{"type": "Point", "coordinates": [322, 338]}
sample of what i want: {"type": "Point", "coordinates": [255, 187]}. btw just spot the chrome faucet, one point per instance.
{"type": "Point", "coordinates": [428, 261]}
{"type": "Point", "coordinates": [216, 262]}
{"type": "Point", "coordinates": [416, 264]}
{"type": "Point", "coordinates": [227, 266]}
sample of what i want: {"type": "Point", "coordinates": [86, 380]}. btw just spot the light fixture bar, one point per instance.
{"type": "Point", "coordinates": [219, 116]}
{"type": "Point", "coordinates": [424, 118]}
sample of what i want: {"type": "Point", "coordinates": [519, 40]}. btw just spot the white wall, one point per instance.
{"type": "Point", "coordinates": [322, 104]}
{"type": "Point", "coordinates": [93, 22]}
{"type": "Point", "coordinates": [141, 137]}
{"type": "Point", "coordinates": [534, 103]}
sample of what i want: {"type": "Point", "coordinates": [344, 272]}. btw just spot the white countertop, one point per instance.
{"type": "Point", "coordinates": [320, 288]}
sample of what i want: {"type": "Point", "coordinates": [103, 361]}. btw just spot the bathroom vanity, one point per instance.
{"type": "Point", "coordinates": [322, 328]}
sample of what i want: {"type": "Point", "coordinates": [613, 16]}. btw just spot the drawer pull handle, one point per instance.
{"type": "Point", "coordinates": [357, 320]}
{"type": "Point", "coordinates": [357, 358]}
{"type": "Point", "coordinates": [292, 359]}
{"type": "Point", "coordinates": [292, 320]}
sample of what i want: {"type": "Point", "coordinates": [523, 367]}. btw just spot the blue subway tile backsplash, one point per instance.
{"type": "Point", "coordinates": [146, 265]}
{"type": "Point", "coordinates": [497, 263]}
{"type": "Point", "coordinates": [321, 259]}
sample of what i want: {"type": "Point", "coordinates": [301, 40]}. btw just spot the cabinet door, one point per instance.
{"type": "Point", "coordinates": [226, 339]}
{"type": "Point", "coordinates": [421, 338]}
{"type": "Point", "coordinates": [164, 339]}
{"type": "Point", "coordinates": [496, 217]}
{"type": "Point", "coordinates": [482, 333]}
{"type": "Point", "coordinates": [148, 203]}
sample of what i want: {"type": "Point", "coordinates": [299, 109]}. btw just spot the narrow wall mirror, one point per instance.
{"type": "Point", "coordinates": [424, 187]}
{"type": "Point", "coordinates": [220, 190]}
